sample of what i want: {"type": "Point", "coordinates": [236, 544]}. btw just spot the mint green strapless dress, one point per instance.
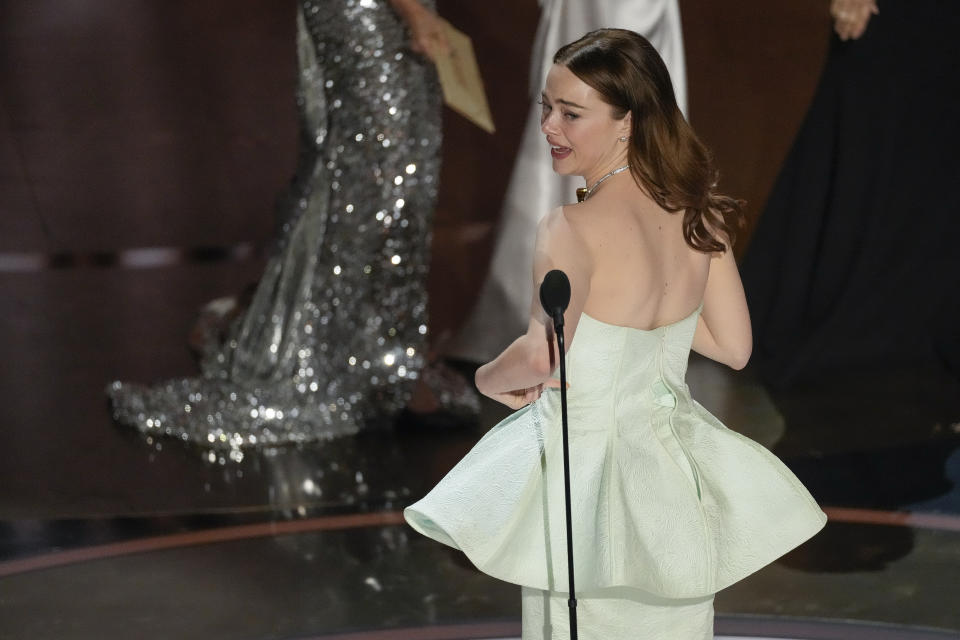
{"type": "Point", "coordinates": [668, 505]}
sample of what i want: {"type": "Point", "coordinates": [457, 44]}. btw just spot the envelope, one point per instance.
{"type": "Point", "coordinates": [461, 82]}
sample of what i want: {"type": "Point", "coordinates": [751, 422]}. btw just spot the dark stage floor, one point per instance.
{"type": "Point", "coordinates": [106, 535]}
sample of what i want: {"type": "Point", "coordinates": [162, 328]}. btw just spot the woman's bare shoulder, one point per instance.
{"type": "Point", "coordinates": [561, 236]}
{"type": "Point", "coordinates": [562, 223]}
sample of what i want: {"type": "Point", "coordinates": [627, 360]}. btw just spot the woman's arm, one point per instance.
{"type": "Point", "coordinates": [723, 330]}
{"type": "Point", "coordinates": [427, 35]}
{"type": "Point", "coordinates": [517, 375]}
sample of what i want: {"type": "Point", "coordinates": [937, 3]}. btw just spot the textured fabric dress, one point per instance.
{"type": "Point", "coordinates": [336, 331]}
{"type": "Point", "coordinates": [501, 311]}
{"type": "Point", "coordinates": [668, 505]}
{"type": "Point", "coordinates": [854, 262]}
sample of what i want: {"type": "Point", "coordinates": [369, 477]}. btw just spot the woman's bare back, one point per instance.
{"type": "Point", "coordinates": [644, 273]}
{"type": "Point", "coordinates": [630, 265]}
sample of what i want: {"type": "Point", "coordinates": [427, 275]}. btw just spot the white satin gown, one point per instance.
{"type": "Point", "coordinates": [668, 505]}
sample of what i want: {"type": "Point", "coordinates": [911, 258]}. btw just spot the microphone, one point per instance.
{"type": "Point", "coordinates": [555, 295]}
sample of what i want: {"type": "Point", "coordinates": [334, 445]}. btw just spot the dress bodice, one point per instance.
{"type": "Point", "coordinates": [664, 498]}
{"type": "Point", "coordinates": [614, 367]}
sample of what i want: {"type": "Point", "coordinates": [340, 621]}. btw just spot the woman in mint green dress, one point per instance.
{"type": "Point", "coordinates": [669, 506]}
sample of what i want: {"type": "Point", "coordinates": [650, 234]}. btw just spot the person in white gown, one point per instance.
{"type": "Point", "coordinates": [668, 505]}
{"type": "Point", "coordinates": [500, 312]}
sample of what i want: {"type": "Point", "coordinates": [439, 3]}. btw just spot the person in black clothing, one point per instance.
{"type": "Point", "coordinates": [855, 260]}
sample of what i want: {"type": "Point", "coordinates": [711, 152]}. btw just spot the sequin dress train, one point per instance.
{"type": "Point", "coordinates": [335, 335]}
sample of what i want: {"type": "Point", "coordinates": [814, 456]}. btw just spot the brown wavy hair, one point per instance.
{"type": "Point", "coordinates": [666, 158]}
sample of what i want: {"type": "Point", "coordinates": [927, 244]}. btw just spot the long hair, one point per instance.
{"type": "Point", "coordinates": [666, 158]}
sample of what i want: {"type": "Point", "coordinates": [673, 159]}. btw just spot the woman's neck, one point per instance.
{"type": "Point", "coordinates": [595, 181]}
{"type": "Point", "coordinates": [606, 167]}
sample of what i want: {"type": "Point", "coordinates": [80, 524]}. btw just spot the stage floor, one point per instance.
{"type": "Point", "coordinates": [106, 535]}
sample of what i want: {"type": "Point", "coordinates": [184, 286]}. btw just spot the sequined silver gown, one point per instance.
{"type": "Point", "coordinates": [335, 334]}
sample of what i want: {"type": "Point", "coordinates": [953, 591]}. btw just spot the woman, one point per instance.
{"type": "Point", "coordinates": [500, 311]}
{"type": "Point", "coordinates": [669, 506]}
{"type": "Point", "coordinates": [335, 334]}
{"type": "Point", "coordinates": [853, 265]}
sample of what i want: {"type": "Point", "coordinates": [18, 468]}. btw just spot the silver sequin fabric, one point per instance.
{"type": "Point", "coordinates": [335, 335]}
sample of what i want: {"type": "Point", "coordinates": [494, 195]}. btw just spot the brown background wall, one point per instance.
{"type": "Point", "coordinates": [171, 123]}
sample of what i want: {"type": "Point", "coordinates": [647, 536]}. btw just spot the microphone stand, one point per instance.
{"type": "Point", "coordinates": [572, 601]}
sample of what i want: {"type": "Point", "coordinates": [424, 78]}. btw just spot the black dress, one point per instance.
{"type": "Point", "coordinates": [856, 259]}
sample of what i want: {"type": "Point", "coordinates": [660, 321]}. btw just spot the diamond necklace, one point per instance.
{"type": "Point", "coordinates": [583, 192]}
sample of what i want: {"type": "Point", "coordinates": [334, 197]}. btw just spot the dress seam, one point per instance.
{"type": "Point", "coordinates": [709, 572]}
{"type": "Point", "coordinates": [608, 458]}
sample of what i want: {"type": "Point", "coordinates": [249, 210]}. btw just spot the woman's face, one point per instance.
{"type": "Point", "coordinates": [583, 135]}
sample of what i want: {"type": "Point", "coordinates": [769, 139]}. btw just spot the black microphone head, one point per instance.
{"type": "Point", "coordinates": [555, 292]}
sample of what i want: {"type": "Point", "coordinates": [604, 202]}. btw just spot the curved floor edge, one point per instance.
{"type": "Point", "coordinates": [727, 627]}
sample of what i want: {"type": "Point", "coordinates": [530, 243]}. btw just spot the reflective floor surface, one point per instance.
{"type": "Point", "coordinates": [129, 538]}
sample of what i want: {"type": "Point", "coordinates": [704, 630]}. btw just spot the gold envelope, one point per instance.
{"type": "Point", "coordinates": [461, 82]}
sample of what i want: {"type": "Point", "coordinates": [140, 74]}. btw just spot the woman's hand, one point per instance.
{"type": "Point", "coordinates": [522, 397]}
{"type": "Point", "coordinates": [851, 17]}
{"type": "Point", "coordinates": [427, 35]}
{"type": "Point", "coordinates": [519, 398]}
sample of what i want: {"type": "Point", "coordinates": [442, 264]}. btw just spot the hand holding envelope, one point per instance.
{"type": "Point", "coordinates": [460, 79]}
